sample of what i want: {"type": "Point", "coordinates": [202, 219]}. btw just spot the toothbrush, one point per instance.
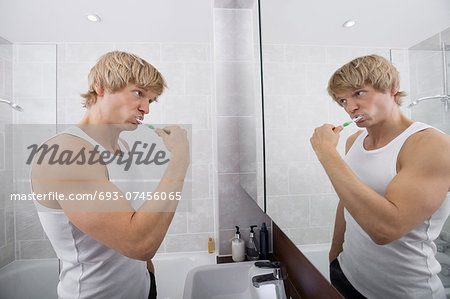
{"type": "Point", "coordinates": [141, 123]}
{"type": "Point", "coordinates": [355, 119]}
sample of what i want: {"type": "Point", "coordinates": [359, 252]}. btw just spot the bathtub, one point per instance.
{"type": "Point", "coordinates": [39, 278]}
{"type": "Point", "coordinates": [29, 279]}
{"type": "Point", "coordinates": [317, 254]}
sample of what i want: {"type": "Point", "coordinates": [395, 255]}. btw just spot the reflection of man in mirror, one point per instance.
{"type": "Point", "coordinates": [104, 243]}
{"type": "Point", "coordinates": [393, 186]}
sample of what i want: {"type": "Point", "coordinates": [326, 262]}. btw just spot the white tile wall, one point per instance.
{"type": "Point", "coordinates": [427, 80]}
{"type": "Point", "coordinates": [281, 210]}
{"type": "Point", "coordinates": [185, 52]}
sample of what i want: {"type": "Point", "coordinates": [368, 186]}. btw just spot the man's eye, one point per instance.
{"type": "Point", "coordinates": [342, 101]}
{"type": "Point", "coordinates": [358, 93]}
{"type": "Point", "coordinates": [138, 93]}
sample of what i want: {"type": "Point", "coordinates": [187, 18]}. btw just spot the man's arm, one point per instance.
{"type": "Point", "coordinates": [415, 193]}
{"type": "Point", "coordinates": [136, 234]}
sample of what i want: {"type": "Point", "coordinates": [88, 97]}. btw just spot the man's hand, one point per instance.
{"type": "Point", "coordinates": [175, 139]}
{"type": "Point", "coordinates": [325, 137]}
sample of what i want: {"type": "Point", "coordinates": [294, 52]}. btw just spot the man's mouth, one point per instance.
{"type": "Point", "coordinates": [139, 120]}
{"type": "Point", "coordinates": [357, 118]}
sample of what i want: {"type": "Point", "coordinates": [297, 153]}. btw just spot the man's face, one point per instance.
{"type": "Point", "coordinates": [124, 106]}
{"type": "Point", "coordinates": [371, 104]}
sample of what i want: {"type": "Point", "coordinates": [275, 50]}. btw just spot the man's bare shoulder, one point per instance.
{"type": "Point", "coordinates": [351, 139]}
{"type": "Point", "coordinates": [429, 145]}
{"type": "Point", "coordinates": [66, 156]}
{"type": "Point", "coordinates": [67, 141]}
{"type": "Point", "coordinates": [428, 139]}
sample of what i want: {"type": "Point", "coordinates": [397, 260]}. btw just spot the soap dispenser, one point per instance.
{"type": "Point", "coordinates": [237, 247]}
{"type": "Point", "coordinates": [252, 246]}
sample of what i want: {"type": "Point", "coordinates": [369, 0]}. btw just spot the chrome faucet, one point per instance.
{"type": "Point", "coordinates": [263, 279]}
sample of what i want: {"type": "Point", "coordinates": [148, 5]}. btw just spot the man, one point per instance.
{"type": "Point", "coordinates": [103, 244]}
{"type": "Point", "coordinates": [393, 186]}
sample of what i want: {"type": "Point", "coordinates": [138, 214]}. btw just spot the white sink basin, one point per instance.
{"type": "Point", "coordinates": [230, 281]}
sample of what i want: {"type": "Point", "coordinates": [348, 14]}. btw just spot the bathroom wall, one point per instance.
{"type": "Point", "coordinates": [7, 245]}
{"type": "Point", "coordinates": [237, 90]}
{"type": "Point", "coordinates": [35, 91]}
{"type": "Point", "coordinates": [427, 80]}
{"type": "Point", "coordinates": [426, 66]}
{"type": "Point", "coordinates": [300, 197]}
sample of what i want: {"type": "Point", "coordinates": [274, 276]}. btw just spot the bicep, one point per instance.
{"type": "Point", "coordinates": [417, 191]}
{"type": "Point", "coordinates": [96, 207]}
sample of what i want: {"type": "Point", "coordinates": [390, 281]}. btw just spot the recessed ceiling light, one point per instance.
{"type": "Point", "coordinates": [93, 18]}
{"type": "Point", "coordinates": [349, 23]}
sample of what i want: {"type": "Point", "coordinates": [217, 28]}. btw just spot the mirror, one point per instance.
{"type": "Point", "coordinates": [302, 45]}
{"type": "Point", "coordinates": [189, 43]}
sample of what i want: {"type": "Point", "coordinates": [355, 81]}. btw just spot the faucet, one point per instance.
{"type": "Point", "coordinates": [263, 279]}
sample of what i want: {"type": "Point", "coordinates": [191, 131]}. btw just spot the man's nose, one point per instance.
{"type": "Point", "coordinates": [145, 107]}
{"type": "Point", "coordinates": [352, 106]}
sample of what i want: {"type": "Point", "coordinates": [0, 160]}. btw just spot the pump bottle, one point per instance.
{"type": "Point", "coordinates": [252, 246]}
{"type": "Point", "coordinates": [237, 247]}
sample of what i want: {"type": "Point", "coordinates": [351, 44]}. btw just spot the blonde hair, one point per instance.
{"type": "Point", "coordinates": [372, 69]}
{"type": "Point", "coordinates": [115, 70]}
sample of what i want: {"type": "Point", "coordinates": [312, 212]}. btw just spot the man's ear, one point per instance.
{"type": "Point", "coordinates": [98, 90]}
{"type": "Point", "coordinates": [394, 91]}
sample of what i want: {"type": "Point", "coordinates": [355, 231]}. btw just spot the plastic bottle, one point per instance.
{"type": "Point", "coordinates": [237, 247]}
{"type": "Point", "coordinates": [264, 239]}
{"type": "Point", "coordinates": [211, 245]}
{"type": "Point", "coordinates": [252, 246]}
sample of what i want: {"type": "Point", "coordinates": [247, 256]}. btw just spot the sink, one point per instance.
{"type": "Point", "coordinates": [230, 281]}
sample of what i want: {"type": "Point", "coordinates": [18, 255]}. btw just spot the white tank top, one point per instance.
{"type": "Point", "coordinates": [89, 268]}
{"type": "Point", "coordinates": [407, 267]}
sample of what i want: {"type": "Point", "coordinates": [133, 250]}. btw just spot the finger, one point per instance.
{"type": "Point", "coordinates": [338, 129]}
{"type": "Point", "coordinates": [169, 129]}
{"type": "Point", "coordinates": [160, 132]}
